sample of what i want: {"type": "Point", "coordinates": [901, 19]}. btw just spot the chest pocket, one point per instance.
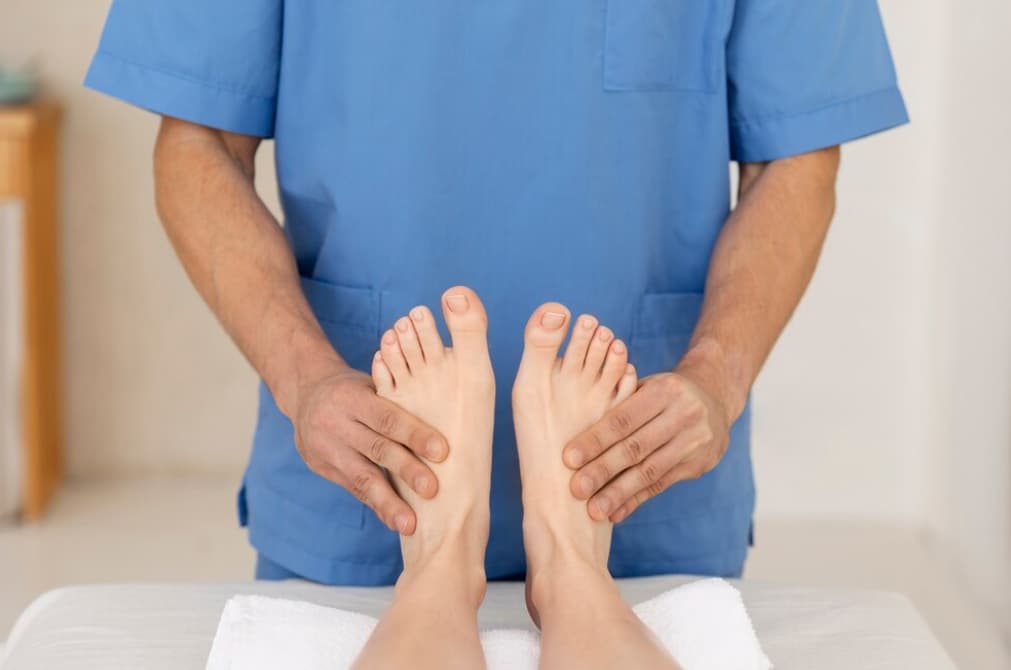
{"type": "Point", "coordinates": [663, 45]}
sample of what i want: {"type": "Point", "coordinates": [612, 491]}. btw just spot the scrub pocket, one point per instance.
{"type": "Point", "coordinates": [663, 45]}
{"type": "Point", "coordinates": [307, 509]}
{"type": "Point", "coordinates": [350, 318]}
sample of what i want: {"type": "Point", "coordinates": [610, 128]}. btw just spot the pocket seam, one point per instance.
{"type": "Point", "coordinates": [669, 83]}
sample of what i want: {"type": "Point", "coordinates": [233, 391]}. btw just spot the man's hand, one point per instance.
{"type": "Point", "coordinates": [669, 430]}
{"type": "Point", "coordinates": [345, 432]}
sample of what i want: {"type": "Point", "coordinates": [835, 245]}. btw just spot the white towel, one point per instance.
{"type": "Point", "coordinates": [704, 625]}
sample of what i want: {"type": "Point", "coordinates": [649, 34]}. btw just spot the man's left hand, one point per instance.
{"type": "Point", "coordinates": [671, 429]}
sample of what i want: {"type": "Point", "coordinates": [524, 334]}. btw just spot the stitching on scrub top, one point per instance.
{"type": "Point", "coordinates": [187, 78]}
{"type": "Point", "coordinates": [842, 102]}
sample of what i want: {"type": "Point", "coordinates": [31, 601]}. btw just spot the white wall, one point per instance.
{"type": "Point", "coordinates": [887, 400]}
{"type": "Point", "coordinates": [889, 396]}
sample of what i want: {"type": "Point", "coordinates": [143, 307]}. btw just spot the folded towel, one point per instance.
{"type": "Point", "coordinates": [704, 625]}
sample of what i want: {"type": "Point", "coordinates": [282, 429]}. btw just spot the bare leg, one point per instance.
{"type": "Point", "coordinates": [584, 621]}
{"type": "Point", "coordinates": [432, 622]}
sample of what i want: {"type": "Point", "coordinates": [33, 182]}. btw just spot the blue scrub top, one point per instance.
{"type": "Point", "coordinates": [572, 150]}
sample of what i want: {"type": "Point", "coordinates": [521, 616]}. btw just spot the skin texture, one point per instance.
{"type": "Point", "coordinates": [570, 594]}
{"type": "Point", "coordinates": [237, 257]}
{"type": "Point", "coordinates": [432, 622]}
{"type": "Point", "coordinates": [676, 425]}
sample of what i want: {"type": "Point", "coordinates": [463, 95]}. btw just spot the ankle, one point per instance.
{"type": "Point", "coordinates": [449, 570]}
{"type": "Point", "coordinates": [561, 579]}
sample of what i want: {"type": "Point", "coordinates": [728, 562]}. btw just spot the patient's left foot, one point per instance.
{"type": "Point", "coordinates": [453, 390]}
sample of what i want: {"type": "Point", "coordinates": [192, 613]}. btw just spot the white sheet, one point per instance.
{"type": "Point", "coordinates": [704, 625]}
{"type": "Point", "coordinates": [170, 627]}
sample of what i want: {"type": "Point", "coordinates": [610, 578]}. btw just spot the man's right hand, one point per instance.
{"type": "Point", "coordinates": [345, 432]}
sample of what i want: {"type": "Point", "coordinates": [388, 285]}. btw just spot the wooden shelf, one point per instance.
{"type": "Point", "coordinates": [29, 140]}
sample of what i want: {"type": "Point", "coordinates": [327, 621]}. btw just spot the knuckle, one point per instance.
{"type": "Point", "coordinates": [694, 410]}
{"type": "Point", "coordinates": [379, 449]}
{"type": "Point", "coordinates": [648, 474]}
{"type": "Point", "coordinates": [633, 449]}
{"type": "Point", "coordinates": [654, 489]}
{"type": "Point", "coordinates": [620, 422]}
{"type": "Point", "coordinates": [673, 385]}
{"type": "Point", "coordinates": [386, 422]}
{"type": "Point", "coordinates": [361, 485]}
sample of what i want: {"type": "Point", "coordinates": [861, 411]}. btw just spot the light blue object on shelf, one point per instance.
{"type": "Point", "coordinates": [16, 87]}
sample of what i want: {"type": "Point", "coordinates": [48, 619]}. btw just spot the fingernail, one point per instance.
{"type": "Point", "coordinates": [552, 320]}
{"type": "Point", "coordinates": [403, 325]}
{"type": "Point", "coordinates": [434, 448]}
{"type": "Point", "coordinates": [576, 459]}
{"type": "Point", "coordinates": [421, 483]}
{"type": "Point", "coordinates": [403, 523]}
{"type": "Point", "coordinates": [618, 348]}
{"type": "Point", "coordinates": [603, 506]}
{"type": "Point", "coordinates": [458, 303]}
{"type": "Point", "coordinates": [418, 314]}
{"type": "Point", "coordinates": [586, 485]}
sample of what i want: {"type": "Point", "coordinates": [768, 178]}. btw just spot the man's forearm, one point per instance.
{"type": "Point", "coordinates": [761, 266]}
{"type": "Point", "coordinates": [236, 254]}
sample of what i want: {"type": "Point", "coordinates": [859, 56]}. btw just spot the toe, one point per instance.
{"type": "Point", "coordinates": [615, 363]}
{"type": "Point", "coordinates": [544, 334]}
{"type": "Point", "coordinates": [409, 344]}
{"type": "Point", "coordinates": [394, 357]}
{"type": "Point", "coordinates": [597, 351]}
{"type": "Point", "coordinates": [428, 334]}
{"type": "Point", "coordinates": [582, 334]}
{"type": "Point", "coordinates": [626, 385]}
{"type": "Point", "coordinates": [467, 321]}
{"type": "Point", "coordinates": [381, 375]}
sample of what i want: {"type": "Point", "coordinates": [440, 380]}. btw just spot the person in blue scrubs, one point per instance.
{"type": "Point", "coordinates": [575, 151]}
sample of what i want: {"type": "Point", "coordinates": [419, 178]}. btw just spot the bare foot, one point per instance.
{"type": "Point", "coordinates": [554, 399]}
{"type": "Point", "coordinates": [453, 390]}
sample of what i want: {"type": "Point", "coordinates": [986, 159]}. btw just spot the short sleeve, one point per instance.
{"type": "Point", "coordinates": [808, 74]}
{"type": "Point", "coordinates": [211, 62]}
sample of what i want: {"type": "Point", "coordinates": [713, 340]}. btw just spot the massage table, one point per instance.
{"type": "Point", "coordinates": [171, 627]}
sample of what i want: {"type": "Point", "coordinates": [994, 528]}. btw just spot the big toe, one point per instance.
{"type": "Point", "coordinates": [544, 334]}
{"type": "Point", "coordinates": [466, 319]}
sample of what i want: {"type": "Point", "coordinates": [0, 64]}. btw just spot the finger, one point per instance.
{"type": "Point", "coordinates": [686, 470]}
{"type": "Point", "coordinates": [366, 482]}
{"type": "Point", "coordinates": [645, 476]}
{"type": "Point", "coordinates": [624, 454]}
{"type": "Point", "coordinates": [390, 420]}
{"type": "Point", "coordinates": [381, 375]}
{"type": "Point", "coordinates": [404, 465]}
{"type": "Point", "coordinates": [393, 356]}
{"type": "Point", "coordinates": [620, 422]}
{"type": "Point", "coordinates": [409, 344]}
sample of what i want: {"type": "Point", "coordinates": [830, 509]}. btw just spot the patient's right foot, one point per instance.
{"type": "Point", "coordinates": [554, 399]}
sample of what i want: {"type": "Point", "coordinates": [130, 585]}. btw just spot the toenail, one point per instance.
{"type": "Point", "coordinates": [603, 506]}
{"type": "Point", "coordinates": [402, 325]}
{"type": "Point", "coordinates": [604, 335]}
{"type": "Point", "coordinates": [457, 302]}
{"type": "Point", "coordinates": [587, 323]}
{"type": "Point", "coordinates": [389, 337]}
{"type": "Point", "coordinates": [618, 348]}
{"type": "Point", "coordinates": [421, 483]}
{"type": "Point", "coordinates": [586, 485]}
{"type": "Point", "coordinates": [418, 315]}
{"type": "Point", "coordinates": [552, 320]}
